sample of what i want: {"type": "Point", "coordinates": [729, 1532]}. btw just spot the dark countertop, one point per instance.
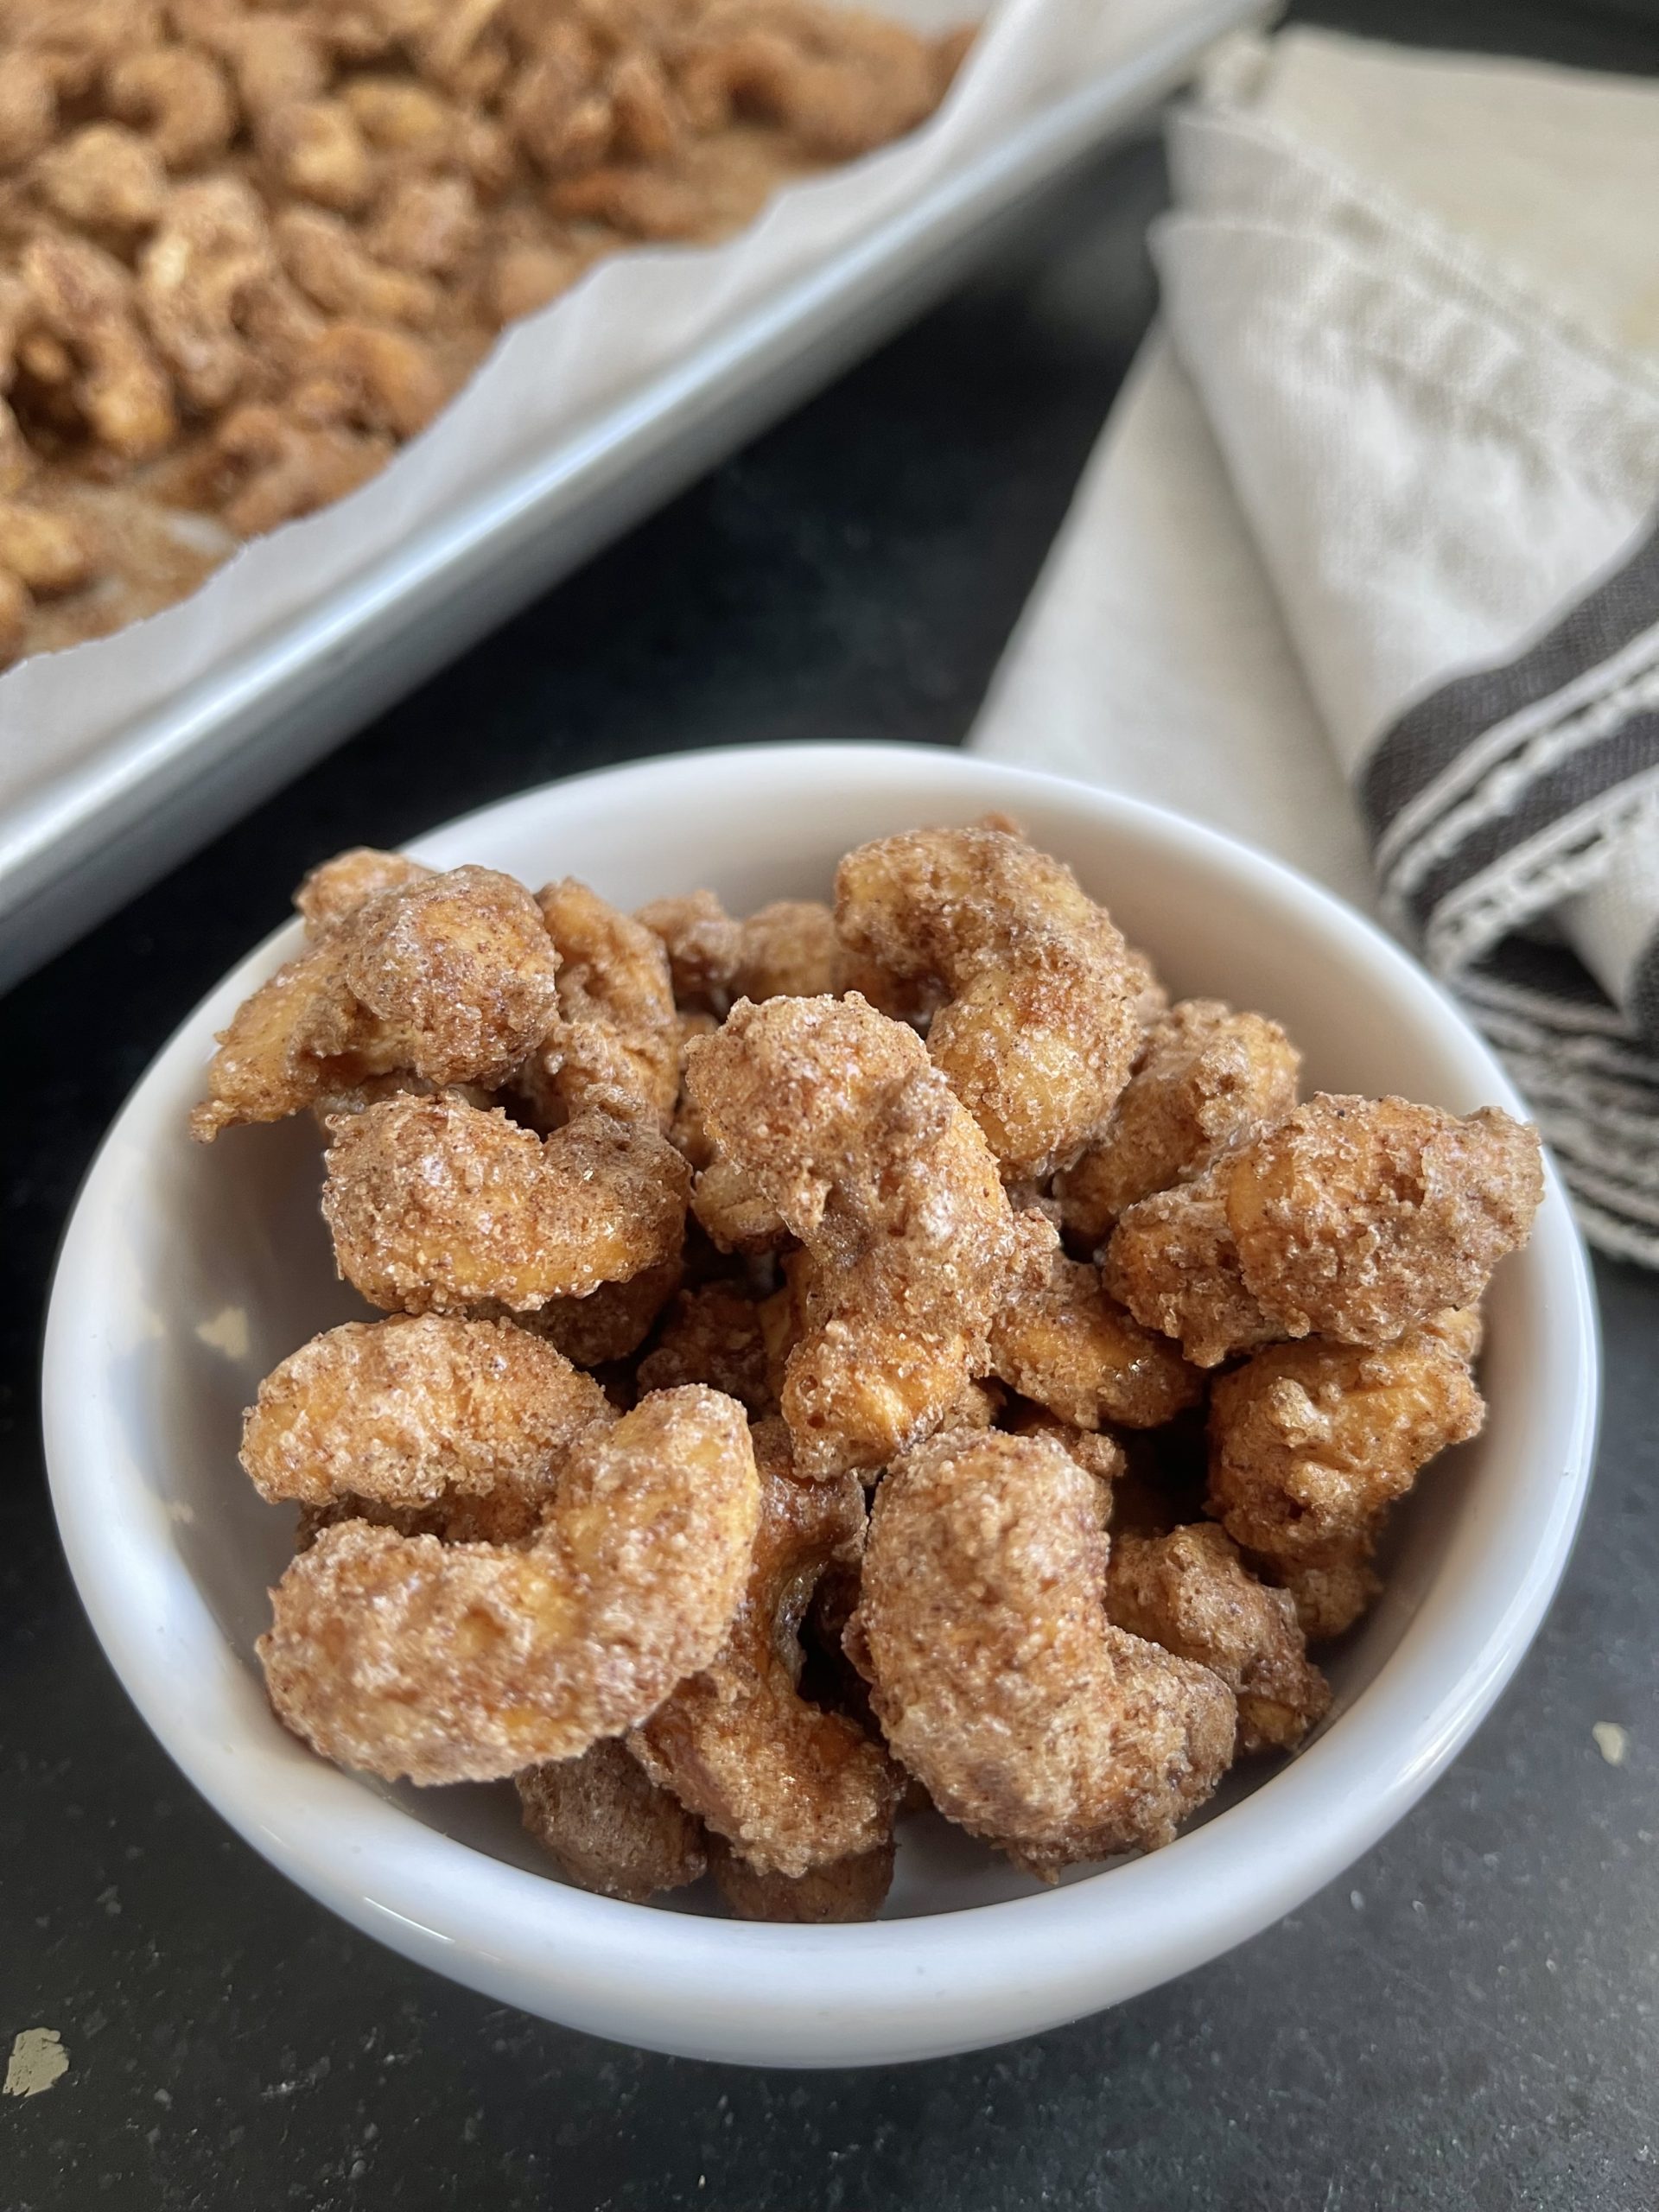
{"type": "Point", "coordinates": [1469, 2019]}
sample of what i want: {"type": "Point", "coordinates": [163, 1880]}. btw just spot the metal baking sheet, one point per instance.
{"type": "Point", "coordinates": [81, 845]}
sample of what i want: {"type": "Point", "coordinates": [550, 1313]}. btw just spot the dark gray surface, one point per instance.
{"type": "Point", "coordinates": [1467, 2019]}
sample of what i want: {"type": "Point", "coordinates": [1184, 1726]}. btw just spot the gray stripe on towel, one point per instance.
{"type": "Point", "coordinates": [1428, 737]}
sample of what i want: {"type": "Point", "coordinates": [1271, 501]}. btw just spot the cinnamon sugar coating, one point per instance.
{"type": "Point", "coordinates": [1039, 1028]}
{"type": "Point", "coordinates": [408, 1411]}
{"type": "Point", "coordinates": [617, 1034]}
{"type": "Point", "coordinates": [714, 1335]}
{"type": "Point", "coordinates": [1191, 1592]}
{"type": "Point", "coordinates": [1174, 1263]}
{"type": "Point", "coordinates": [1359, 1218]}
{"type": "Point", "coordinates": [456, 1663]}
{"type": "Point", "coordinates": [1030, 1721]}
{"type": "Point", "coordinates": [450, 978]}
{"type": "Point", "coordinates": [843, 1891]}
{"type": "Point", "coordinates": [788, 949]}
{"type": "Point", "coordinates": [606, 1825]}
{"type": "Point", "coordinates": [834, 1117]}
{"type": "Point", "coordinates": [1058, 1339]}
{"type": "Point", "coordinates": [1311, 1443]}
{"type": "Point", "coordinates": [788, 1785]}
{"type": "Point", "coordinates": [1206, 1079]}
{"type": "Point", "coordinates": [436, 1206]}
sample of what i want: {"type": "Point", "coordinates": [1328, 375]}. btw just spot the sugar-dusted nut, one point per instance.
{"type": "Point", "coordinates": [410, 1412]}
{"type": "Point", "coordinates": [611, 1322]}
{"type": "Point", "coordinates": [337, 887]}
{"type": "Point", "coordinates": [196, 279]}
{"type": "Point", "coordinates": [83, 297]}
{"type": "Point", "coordinates": [1207, 1079]}
{"type": "Point", "coordinates": [1191, 1592]}
{"type": "Point", "coordinates": [834, 1117]}
{"type": "Point", "coordinates": [1359, 1218]}
{"type": "Point", "coordinates": [1058, 1338]}
{"type": "Point", "coordinates": [180, 97]}
{"type": "Point", "coordinates": [463, 1663]}
{"type": "Point", "coordinates": [845, 1890]}
{"type": "Point", "coordinates": [997, 1677]}
{"type": "Point", "coordinates": [555, 108]}
{"type": "Point", "coordinates": [1039, 1029]}
{"type": "Point", "coordinates": [316, 150]}
{"type": "Point", "coordinates": [29, 108]}
{"type": "Point", "coordinates": [400, 116]}
{"type": "Point", "coordinates": [617, 1034]}
{"type": "Point", "coordinates": [49, 551]}
{"type": "Point", "coordinates": [277, 59]}
{"type": "Point", "coordinates": [449, 977]}
{"type": "Point", "coordinates": [1312, 1442]}
{"type": "Point", "coordinates": [523, 275]}
{"type": "Point", "coordinates": [789, 1784]}
{"type": "Point", "coordinates": [607, 1826]}
{"type": "Point", "coordinates": [787, 950]}
{"type": "Point", "coordinates": [1173, 1261]}
{"type": "Point", "coordinates": [645, 203]}
{"type": "Point", "coordinates": [1330, 1597]}
{"type": "Point", "coordinates": [103, 177]}
{"type": "Point", "coordinates": [328, 261]}
{"type": "Point", "coordinates": [280, 470]}
{"type": "Point", "coordinates": [427, 223]}
{"type": "Point", "coordinates": [714, 1335]}
{"type": "Point", "coordinates": [379, 380]}
{"type": "Point", "coordinates": [436, 1206]}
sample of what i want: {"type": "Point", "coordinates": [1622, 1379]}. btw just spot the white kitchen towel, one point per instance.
{"type": "Point", "coordinates": [1367, 555]}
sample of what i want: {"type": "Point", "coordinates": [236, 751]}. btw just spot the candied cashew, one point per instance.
{"type": "Point", "coordinates": [425, 224]}
{"type": "Point", "coordinates": [791, 1785]}
{"type": "Point", "coordinates": [410, 1412]}
{"type": "Point", "coordinates": [328, 262]}
{"type": "Point", "coordinates": [403, 1656]}
{"type": "Point", "coordinates": [449, 977]}
{"type": "Point", "coordinates": [1039, 1029]}
{"type": "Point", "coordinates": [1207, 1079]}
{"type": "Point", "coordinates": [104, 178]}
{"type": "Point", "coordinates": [378, 380]}
{"type": "Point", "coordinates": [180, 97]}
{"type": "Point", "coordinates": [997, 1679]}
{"type": "Point", "coordinates": [337, 887]}
{"type": "Point", "coordinates": [1058, 1339]}
{"type": "Point", "coordinates": [436, 1206]}
{"type": "Point", "coordinates": [84, 297]}
{"type": "Point", "coordinates": [1191, 1592]}
{"type": "Point", "coordinates": [315, 149]}
{"type": "Point", "coordinates": [1312, 1442]}
{"type": "Point", "coordinates": [282, 469]}
{"type": "Point", "coordinates": [787, 950]}
{"type": "Point", "coordinates": [841, 1129]}
{"type": "Point", "coordinates": [49, 552]}
{"type": "Point", "coordinates": [618, 1035]}
{"type": "Point", "coordinates": [607, 1826]}
{"type": "Point", "coordinates": [843, 1891]}
{"type": "Point", "coordinates": [1359, 1218]}
{"type": "Point", "coordinates": [1174, 1263]}
{"type": "Point", "coordinates": [212, 249]}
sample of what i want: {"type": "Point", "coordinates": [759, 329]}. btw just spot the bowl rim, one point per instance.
{"type": "Point", "coordinates": [761, 1993]}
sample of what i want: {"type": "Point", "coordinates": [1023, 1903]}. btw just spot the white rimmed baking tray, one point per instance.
{"type": "Point", "coordinates": [75, 847]}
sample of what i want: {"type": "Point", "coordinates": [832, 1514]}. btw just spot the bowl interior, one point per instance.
{"type": "Point", "coordinates": [189, 1272]}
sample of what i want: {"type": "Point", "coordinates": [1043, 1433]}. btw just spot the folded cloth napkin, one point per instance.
{"type": "Point", "coordinates": [1367, 556]}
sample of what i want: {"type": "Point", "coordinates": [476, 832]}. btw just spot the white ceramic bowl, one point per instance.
{"type": "Point", "coordinates": [187, 1273]}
